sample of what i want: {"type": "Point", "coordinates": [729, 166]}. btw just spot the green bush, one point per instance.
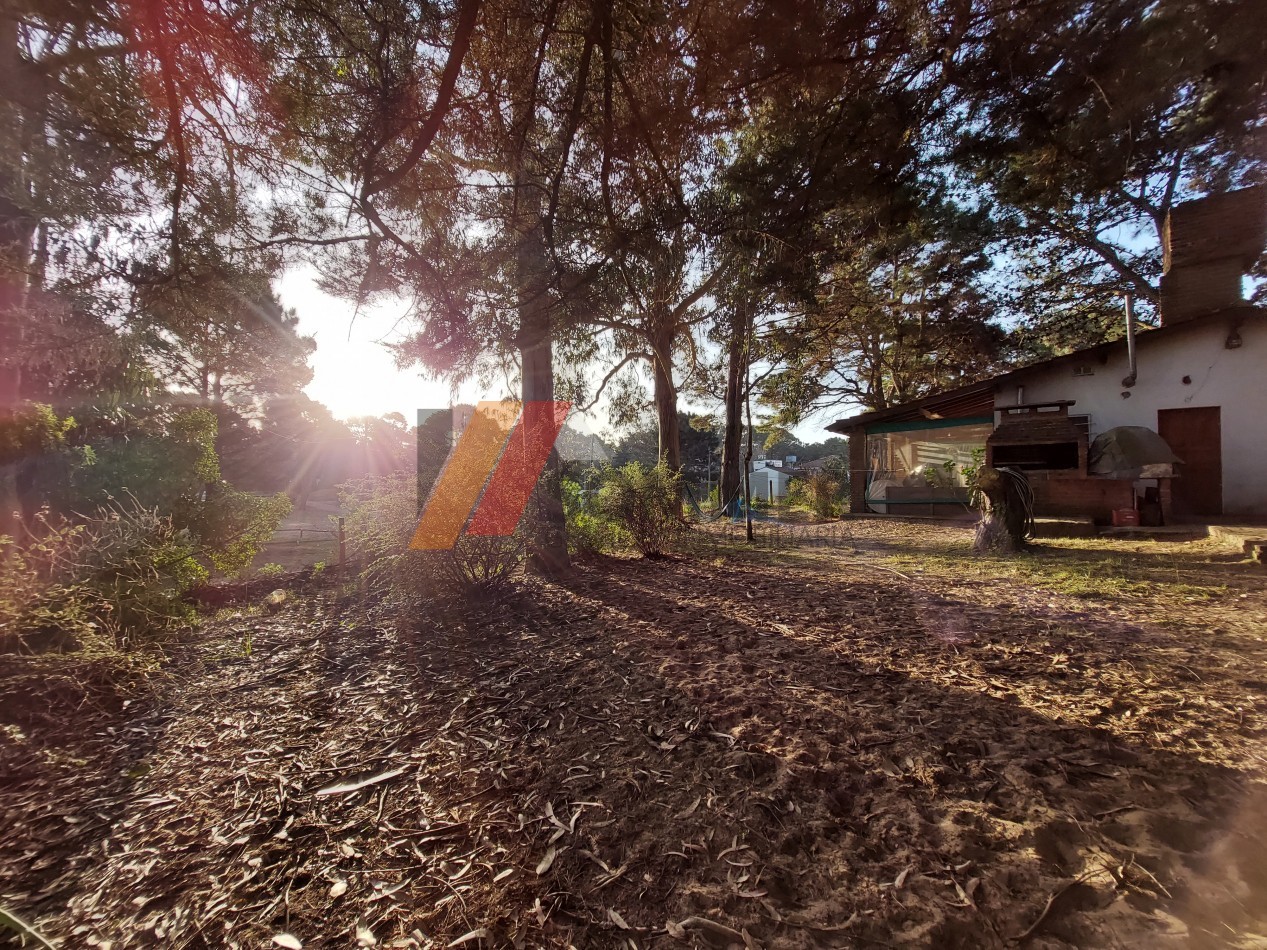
{"type": "Point", "coordinates": [646, 502]}
{"type": "Point", "coordinates": [107, 582]}
{"type": "Point", "coordinates": [589, 529]}
{"type": "Point", "coordinates": [172, 466]}
{"type": "Point", "coordinates": [232, 526]}
{"type": "Point", "coordinates": [33, 431]}
{"type": "Point", "coordinates": [824, 494]}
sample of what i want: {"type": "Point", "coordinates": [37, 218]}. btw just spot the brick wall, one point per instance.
{"type": "Point", "coordinates": [1096, 498]}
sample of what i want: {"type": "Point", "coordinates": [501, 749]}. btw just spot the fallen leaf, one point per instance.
{"type": "Point", "coordinates": [546, 861]}
{"type": "Point", "coordinates": [287, 941]}
{"type": "Point", "coordinates": [341, 788]}
{"type": "Point", "coordinates": [712, 927]}
{"type": "Point", "coordinates": [617, 920]}
{"type": "Point", "coordinates": [479, 934]}
{"type": "Point", "coordinates": [338, 888]}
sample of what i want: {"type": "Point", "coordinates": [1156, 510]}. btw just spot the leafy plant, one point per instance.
{"type": "Point", "coordinates": [824, 493]}
{"type": "Point", "coordinates": [645, 501]}
{"type": "Point", "coordinates": [34, 431]}
{"type": "Point", "coordinates": [589, 529]}
{"type": "Point", "coordinates": [232, 526]}
{"type": "Point", "coordinates": [107, 582]}
{"type": "Point", "coordinates": [172, 467]}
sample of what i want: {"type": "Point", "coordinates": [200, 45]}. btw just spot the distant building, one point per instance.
{"type": "Point", "coordinates": [768, 484]}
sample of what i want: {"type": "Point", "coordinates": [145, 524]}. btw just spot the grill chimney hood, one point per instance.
{"type": "Point", "coordinates": [1038, 437]}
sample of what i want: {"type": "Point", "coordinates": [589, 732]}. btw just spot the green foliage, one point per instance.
{"type": "Point", "coordinates": [166, 464]}
{"type": "Point", "coordinates": [172, 466]}
{"type": "Point", "coordinates": [822, 492]}
{"type": "Point", "coordinates": [272, 569]}
{"type": "Point", "coordinates": [970, 473]}
{"type": "Point", "coordinates": [108, 582]}
{"type": "Point", "coordinates": [589, 529]}
{"type": "Point", "coordinates": [33, 431]}
{"type": "Point", "coordinates": [232, 526]}
{"type": "Point", "coordinates": [381, 515]}
{"type": "Point", "coordinates": [645, 501]}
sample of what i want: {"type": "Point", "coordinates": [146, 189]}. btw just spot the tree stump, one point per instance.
{"type": "Point", "coordinates": [1007, 518]}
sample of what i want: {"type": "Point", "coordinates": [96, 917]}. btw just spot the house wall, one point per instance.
{"type": "Point", "coordinates": [762, 478]}
{"type": "Point", "coordinates": [1235, 380]}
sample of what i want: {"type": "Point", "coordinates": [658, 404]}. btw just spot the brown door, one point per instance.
{"type": "Point", "coordinates": [1196, 437]}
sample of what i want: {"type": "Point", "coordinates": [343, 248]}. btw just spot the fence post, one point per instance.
{"type": "Point", "coordinates": [343, 553]}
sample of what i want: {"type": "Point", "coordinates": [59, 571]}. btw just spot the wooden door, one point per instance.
{"type": "Point", "coordinates": [1196, 437]}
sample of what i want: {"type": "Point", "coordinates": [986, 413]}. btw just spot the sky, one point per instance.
{"type": "Point", "coordinates": [355, 374]}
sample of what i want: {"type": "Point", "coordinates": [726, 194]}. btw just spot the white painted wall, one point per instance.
{"type": "Point", "coordinates": [764, 478]}
{"type": "Point", "coordinates": [1234, 380]}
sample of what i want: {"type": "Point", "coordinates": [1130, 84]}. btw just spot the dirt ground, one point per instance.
{"type": "Point", "coordinates": [888, 743]}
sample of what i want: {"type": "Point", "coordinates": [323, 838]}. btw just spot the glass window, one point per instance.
{"type": "Point", "coordinates": [932, 459]}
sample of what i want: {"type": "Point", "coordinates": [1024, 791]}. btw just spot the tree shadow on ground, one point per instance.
{"type": "Point", "coordinates": [906, 767]}
{"type": "Point", "coordinates": [822, 761]}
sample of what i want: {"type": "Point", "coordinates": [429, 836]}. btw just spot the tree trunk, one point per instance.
{"type": "Point", "coordinates": [17, 228]}
{"type": "Point", "coordinates": [736, 356]}
{"type": "Point", "coordinates": [549, 546]}
{"type": "Point", "coordinates": [747, 459]}
{"type": "Point", "coordinates": [665, 393]}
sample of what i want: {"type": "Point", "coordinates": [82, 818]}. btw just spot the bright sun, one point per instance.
{"type": "Point", "coordinates": [354, 373]}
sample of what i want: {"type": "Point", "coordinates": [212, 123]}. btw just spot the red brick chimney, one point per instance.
{"type": "Point", "coordinates": [1208, 246]}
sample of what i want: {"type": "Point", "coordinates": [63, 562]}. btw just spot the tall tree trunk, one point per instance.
{"type": "Point", "coordinates": [549, 553]}
{"type": "Point", "coordinates": [736, 356]}
{"type": "Point", "coordinates": [665, 395]}
{"type": "Point", "coordinates": [17, 228]}
{"type": "Point", "coordinates": [747, 459]}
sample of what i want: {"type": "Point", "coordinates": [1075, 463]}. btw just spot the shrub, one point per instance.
{"type": "Point", "coordinates": [798, 494]}
{"type": "Point", "coordinates": [172, 466]}
{"type": "Point", "coordinates": [590, 531]}
{"type": "Point", "coordinates": [646, 502]}
{"type": "Point", "coordinates": [35, 430]}
{"type": "Point", "coordinates": [480, 567]}
{"type": "Point", "coordinates": [232, 526]}
{"type": "Point", "coordinates": [824, 494]}
{"type": "Point", "coordinates": [107, 582]}
{"type": "Point", "coordinates": [382, 514]}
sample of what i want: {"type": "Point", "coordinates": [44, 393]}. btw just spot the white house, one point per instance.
{"type": "Point", "coordinates": [1199, 380]}
{"type": "Point", "coordinates": [768, 483]}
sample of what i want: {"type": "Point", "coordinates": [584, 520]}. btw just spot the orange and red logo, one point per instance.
{"type": "Point", "coordinates": [489, 475]}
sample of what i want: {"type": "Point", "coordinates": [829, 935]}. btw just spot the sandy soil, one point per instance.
{"type": "Point", "coordinates": [884, 743]}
